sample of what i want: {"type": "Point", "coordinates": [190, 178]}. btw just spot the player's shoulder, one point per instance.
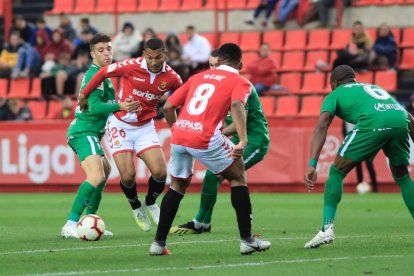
{"type": "Point", "coordinates": [172, 75]}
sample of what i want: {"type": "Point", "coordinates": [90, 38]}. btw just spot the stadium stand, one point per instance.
{"type": "Point", "coordinates": [311, 106]}
{"type": "Point", "coordinates": [295, 40]}
{"type": "Point", "coordinates": [147, 5]}
{"type": "Point", "coordinates": [291, 81]}
{"type": "Point", "coordinates": [407, 37]}
{"type": "Point", "coordinates": [407, 59]}
{"type": "Point", "coordinates": [233, 37]}
{"type": "Point", "coordinates": [129, 5]}
{"type": "Point", "coordinates": [168, 5]}
{"type": "Point", "coordinates": [38, 109]}
{"type": "Point", "coordinates": [293, 61]}
{"type": "Point", "coordinates": [84, 6]}
{"type": "Point", "coordinates": [313, 57]}
{"type": "Point", "coordinates": [250, 41]}
{"type": "Point", "coordinates": [53, 107]}
{"type": "Point", "coordinates": [62, 6]}
{"type": "Point", "coordinates": [318, 39]}
{"type": "Point", "coordinates": [36, 89]}
{"type": "Point", "coordinates": [4, 88]}
{"type": "Point", "coordinates": [387, 80]}
{"type": "Point", "coordinates": [365, 77]}
{"type": "Point", "coordinates": [340, 38]}
{"type": "Point", "coordinates": [268, 104]}
{"type": "Point", "coordinates": [287, 106]}
{"type": "Point", "coordinates": [313, 83]}
{"type": "Point", "coordinates": [19, 88]}
{"type": "Point", "coordinates": [274, 38]}
{"type": "Point", "coordinates": [191, 5]}
{"type": "Point", "coordinates": [105, 6]}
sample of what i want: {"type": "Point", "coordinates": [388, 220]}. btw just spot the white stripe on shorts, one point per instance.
{"type": "Point", "coordinates": [251, 156]}
{"type": "Point", "coordinates": [354, 132]}
{"type": "Point", "coordinates": [92, 144]}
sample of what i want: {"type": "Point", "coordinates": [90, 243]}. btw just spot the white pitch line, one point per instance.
{"type": "Point", "coordinates": [56, 250]}
{"type": "Point", "coordinates": [234, 265]}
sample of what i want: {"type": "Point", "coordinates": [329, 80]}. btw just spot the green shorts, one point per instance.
{"type": "Point", "coordinates": [360, 145]}
{"type": "Point", "coordinates": [86, 145]}
{"type": "Point", "coordinates": [253, 155]}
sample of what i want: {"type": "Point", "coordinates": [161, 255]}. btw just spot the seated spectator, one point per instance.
{"type": "Point", "coordinates": [85, 25]}
{"type": "Point", "coordinates": [24, 28]}
{"type": "Point", "coordinates": [286, 7]}
{"type": "Point", "coordinates": [384, 52]}
{"type": "Point", "coordinates": [268, 5]}
{"type": "Point", "coordinates": [67, 112]}
{"type": "Point", "coordinates": [83, 46]}
{"type": "Point", "coordinates": [174, 60]}
{"type": "Point", "coordinates": [323, 8]}
{"type": "Point", "coordinates": [126, 42]}
{"type": "Point", "coordinates": [196, 51]}
{"type": "Point", "coordinates": [59, 44]}
{"type": "Point", "coordinates": [146, 35]}
{"type": "Point", "coordinates": [41, 26]}
{"type": "Point", "coordinates": [9, 55]}
{"type": "Point", "coordinates": [262, 71]}
{"type": "Point", "coordinates": [42, 43]}
{"type": "Point", "coordinates": [357, 51]}
{"type": "Point", "coordinates": [15, 111]}
{"type": "Point", "coordinates": [172, 42]}
{"type": "Point", "coordinates": [66, 25]}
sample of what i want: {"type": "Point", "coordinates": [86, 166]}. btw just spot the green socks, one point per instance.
{"type": "Point", "coordinates": [82, 198]}
{"type": "Point", "coordinates": [333, 195]}
{"type": "Point", "coordinates": [407, 189]}
{"type": "Point", "coordinates": [95, 200]}
{"type": "Point", "coordinates": [208, 198]}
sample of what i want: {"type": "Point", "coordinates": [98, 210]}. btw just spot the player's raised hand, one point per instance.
{"type": "Point", "coordinates": [82, 102]}
{"type": "Point", "coordinates": [310, 178]}
{"type": "Point", "coordinates": [238, 150]}
{"type": "Point", "coordinates": [130, 106]}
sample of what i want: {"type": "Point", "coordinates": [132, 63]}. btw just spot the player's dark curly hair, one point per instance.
{"type": "Point", "coordinates": [230, 54]}
{"type": "Point", "coordinates": [343, 74]}
{"type": "Point", "coordinates": [154, 44]}
{"type": "Point", "coordinates": [214, 53]}
{"type": "Point", "coordinates": [98, 38]}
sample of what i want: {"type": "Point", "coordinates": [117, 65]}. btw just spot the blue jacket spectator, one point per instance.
{"type": "Point", "coordinates": [385, 48]}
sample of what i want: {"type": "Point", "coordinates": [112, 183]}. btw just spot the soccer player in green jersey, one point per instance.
{"type": "Point", "coordinates": [380, 124]}
{"type": "Point", "coordinates": [255, 151]}
{"type": "Point", "coordinates": [85, 133]}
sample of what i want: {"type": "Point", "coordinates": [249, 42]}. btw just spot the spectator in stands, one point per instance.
{"type": "Point", "coordinates": [59, 44]}
{"type": "Point", "coordinates": [172, 42]}
{"type": "Point", "coordinates": [286, 7]}
{"type": "Point", "coordinates": [49, 81]}
{"type": "Point", "coordinates": [323, 8]}
{"type": "Point", "coordinates": [42, 43]}
{"type": "Point", "coordinates": [83, 46]}
{"type": "Point", "coordinates": [73, 73]}
{"type": "Point", "coordinates": [85, 25]}
{"type": "Point", "coordinates": [28, 61]}
{"type": "Point", "coordinates": [384, 52]}
{"type": "Point", "coordinates": [15, 111]}
{"type": "Point", "coordinates": [67, 111]}
{"type": "Point", "coordinates": [24, 28]}
{"type": "Point", "coordinates": [175, 61]}
{"type": "Point", "coordinates": [9, 55]}
{"type": "Point", "coordinates": [40, 26]}
{"type": "Point", "coordinates": [66, 25]}
{"type": "Point", "coordinates": [146, 35]}
{"type": "Point", "coordinates": [126, 42]}
{"type": "Point", "coordinates": [268, 6]}
{"type": "Point", "coordinates": [196, 51]}
{"type": "Point", "coordinates": [357, 51]}
{"type": "Point", "coordinates": [262, 70]}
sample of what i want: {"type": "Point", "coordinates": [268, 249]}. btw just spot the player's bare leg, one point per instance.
{"type": "Point", "coordinates": [332, 196]}
{"type": "Point", "coordinates": [125, 164]}
{"type": "Point", "coordinates": [155, 161]}
{"type": "Point", "coordinates": [240, 199]}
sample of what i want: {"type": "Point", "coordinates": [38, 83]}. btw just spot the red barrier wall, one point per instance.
{"type": "Point", "coordinates": [35, 157]}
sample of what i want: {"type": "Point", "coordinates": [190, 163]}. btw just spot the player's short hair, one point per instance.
{"type": "Point", "coordinates": [190, 27]}
{"type": "Point", "coordinates": [154, 44]}
{"type": "Point", "coordinates": [343, 74]}
{"type": "Point", "coordinates": [215, 52]}
{"type": "Point", "coordinates": [230, 52]}
{"type": "Point", "coordinates": [98, 38]}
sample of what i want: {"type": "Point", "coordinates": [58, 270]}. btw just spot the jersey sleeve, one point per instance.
{"type": "Point", "coordinates": [177, 99]}
{"type": "Point", "coordinates": [241, 91]}
{"type": "Point", "coordinates": [330, 104]}
{"type": "Point", "coordinates": [97, 106]}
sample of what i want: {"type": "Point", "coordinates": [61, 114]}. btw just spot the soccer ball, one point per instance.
{"type": "Point", "coordinates": [363, 188]}
{"type": "Point", "coordinates": [90, 228]}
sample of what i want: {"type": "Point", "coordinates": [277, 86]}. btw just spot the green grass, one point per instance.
{"type": "Point", "coordinates": [374, 235]}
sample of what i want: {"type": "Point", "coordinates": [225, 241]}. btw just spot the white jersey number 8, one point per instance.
{"type": "Point", "coordinates": [376, 92]}
{"type": "Point", "coordinates": [199, 101]}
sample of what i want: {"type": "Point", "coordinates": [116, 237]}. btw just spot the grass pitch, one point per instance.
{"type": "Point", "coordinates": [374, 235]}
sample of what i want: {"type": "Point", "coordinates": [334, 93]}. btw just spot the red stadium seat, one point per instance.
{"type": "Point", "coordinates": [268, 104]}
{"type": "Point", "coordinates": [250, 41]}
{"type": "Point", "coordinates": [105, 6]}
{"type": "Point", "coordinates": [129, 5]}
{"type": "Point", "coordinates": [287, 106]}
{"type": "Point", "coordinates": [372, 33]}
{"type": "Point", "coordinates": [311, 105]}
{"type": "Point", "coordinates": [364, 2]}
{"type": "Point", "coordinates": [387, 80]}
{"type": "Point", "coordinates": [191, 5]}
{"type": "Point", "coordinates": [277, 57]}
{"type": "Point", "coordinates": [38, 109]}
{"type": "Point", "coordinates": [53, 108]}
{"type": "Point", "coordinates": [313, 83]}
{"type": "Point", "coordinates": [248, 59]}
{"type": "Point", "coordinates": [291, 81]}
{"type": "Point", "coordinates": [232, 4]}
{"type": "Point", "coordinates": [212, 38]}
{"type": "Point", "coordinates": [274, 39]}
{"type": "Point", "coordinates": [36, 88]}
{"type": "Point", "coordinates": [391, 2]}
{"type": "Point", "coordinates": [252, 4]}
{"type": "Point", "coordinates": [318, 39]}
{"type": "Point", "coordinates": [19, 88]}
{"type": "Point", "coordinates": [407, 60]}
{"type": "Point", "coordinates": [366, 77]}
{"type": "Point", "coordinates": [233, 37]}
{"type": "Point", "coordinates": [1, 8]}
{"type": "Point", "coordinates": [4, 87]}
{"type": "Point", "coordinates": [312, 59]}
{"type": "Point", "coordinates": [62, 6]}
{"type": "Point", "coordinates": [340, 38]}
{"type": "Point", "coordinates": [84, 6]}
{"type": "Point", "coordinates": [295, 40]}
{"type": "Point", "coordinates": [293, 61]}
{"type": "Point", "coordinates": [397, 35]}
{"type": "Point", "coordinates": [168, 5]}
{"type": "Point", "coordinates": [407, 37]}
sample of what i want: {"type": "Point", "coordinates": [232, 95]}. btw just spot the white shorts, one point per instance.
{"type": "Point", "coordinates": [217, 159]}
{"type": "Point", "coordinates": [123, 137]}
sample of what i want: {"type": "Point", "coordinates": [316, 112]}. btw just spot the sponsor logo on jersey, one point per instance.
{"type": "Point", "coordinates": [138, 79]}
{"type": "Point", "coordinates": [189, 126]}
{"type": "Point", "coordinates": [380, 107]}
{"type": "Point", "coordinates": [163, 86]}
{"type": "Point", "coordinates": [112, 67]}
{"type": "Point", "coordinates": [147, 95]}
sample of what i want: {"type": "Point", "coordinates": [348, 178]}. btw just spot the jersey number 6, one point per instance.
{"type": "Point", "coordinates": [377, 92]}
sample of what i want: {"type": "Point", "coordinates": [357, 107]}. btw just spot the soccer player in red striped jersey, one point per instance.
{"type": "Point", "coordinates": [145, 79]}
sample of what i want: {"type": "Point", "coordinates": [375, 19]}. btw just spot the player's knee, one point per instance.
{"type": "Point", "coordinates": [96, 178]}
{"type": "Point", "coordinates": [160, 174]}
{"type": "Point", "coordinates": [128, 179]}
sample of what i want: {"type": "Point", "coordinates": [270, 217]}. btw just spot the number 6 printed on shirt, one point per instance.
{"type": "Point", "coordinates": [199, 101]}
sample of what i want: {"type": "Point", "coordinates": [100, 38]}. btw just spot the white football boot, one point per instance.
{"type": "Point", "coordinates": [108, 233]}
{"type": "Point", "coordinates": [158, 250]}
{"type": "Point", "coordinates": [323, 237]}
{"type": "Point", "coordinates": [142, 219]}
{"type": "Point", "coordinates": [154, 211]}
{"type": "Point", "coordinates": [256, 245]}
{"type": "Point", "coordinates": [69, 232]}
